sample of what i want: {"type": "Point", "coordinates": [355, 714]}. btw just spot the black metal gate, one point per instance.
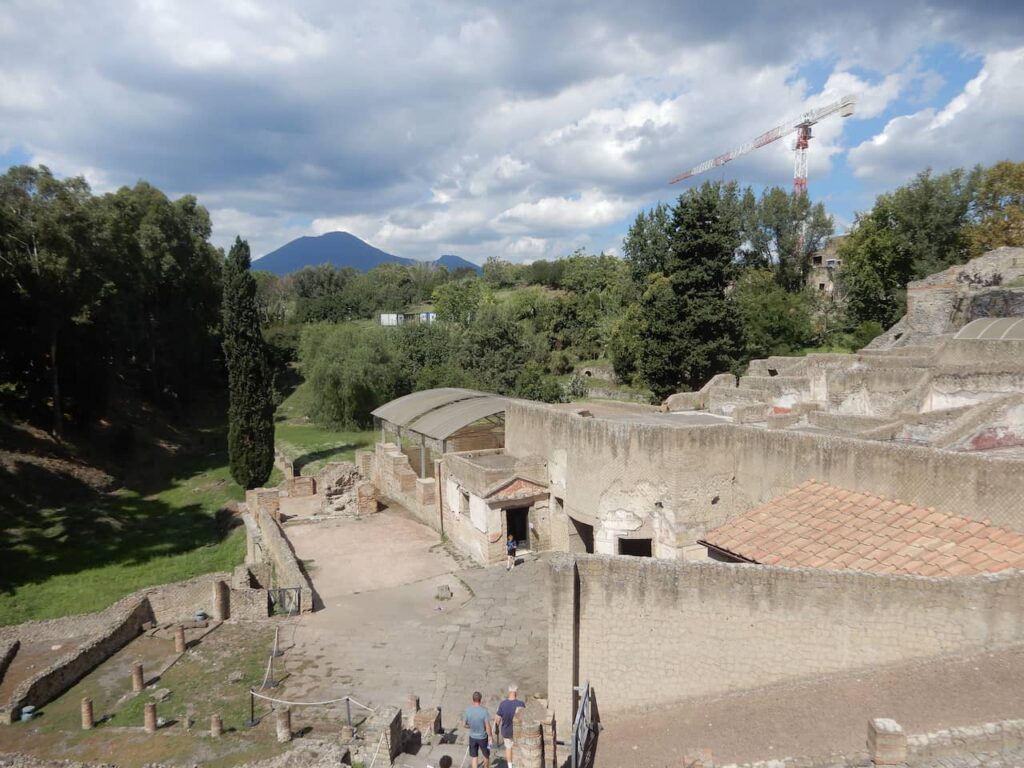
{"type": "Point", "coordinates": [284, 601]}
{"type": "Point", "coordinates": [584, 730]}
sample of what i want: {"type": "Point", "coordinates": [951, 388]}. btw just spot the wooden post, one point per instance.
{"type": "Point", "coordinates": [87, 721]}
{"type": "Point", "coordinates": [137, 682]}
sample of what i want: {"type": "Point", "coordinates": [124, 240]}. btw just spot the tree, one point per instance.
{"type": "Point", "coordinates": [998, 209]}
{"type": "Point", "coordinates": [690, 329]}
{"type": "Point", "coordinates": [775, 321]}
{"type": "Point", "coordinates": [782, 231]}
{"type": "Point", "coordinates": [250, 388]}
{"type": "Point", "coordinates": [646, 245]}
{"type": "Point", "coordinates": [457, 302]}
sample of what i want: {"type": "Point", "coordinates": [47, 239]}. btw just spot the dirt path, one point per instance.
{"type": "Point", "coordinates": [823, 717]}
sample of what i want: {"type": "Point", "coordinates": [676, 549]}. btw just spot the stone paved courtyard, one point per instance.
{"type": "Point", "coordinates": [383, 633]}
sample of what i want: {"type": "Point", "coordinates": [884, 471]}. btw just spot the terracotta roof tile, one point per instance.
{"type": "Point", "coordinates": [822, 526]}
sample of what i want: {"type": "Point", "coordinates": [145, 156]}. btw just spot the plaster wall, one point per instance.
{"type": "Point", "coordinates": [652, 632]}
{"type": "Point", "coordinates": [618, 472]}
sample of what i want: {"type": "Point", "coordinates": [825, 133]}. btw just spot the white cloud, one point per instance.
{"type": "Point", "coordinates": [982, 124]}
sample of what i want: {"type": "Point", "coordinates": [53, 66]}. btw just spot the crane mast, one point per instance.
{"type": "Point", "coordinates": [800, 125]}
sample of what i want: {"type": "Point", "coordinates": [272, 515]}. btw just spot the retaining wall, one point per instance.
{"type": "Point", "coordinates": [647, 632]}
{"type": "Point", "coordinates": [287, 571]}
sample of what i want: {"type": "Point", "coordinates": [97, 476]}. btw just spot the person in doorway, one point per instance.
{"type": "Point", "coordinates": [510, 551]}
{"type": "Point", "coordinates": [506, 715]}
{"type": "Point", "coordinates": [478, 720]}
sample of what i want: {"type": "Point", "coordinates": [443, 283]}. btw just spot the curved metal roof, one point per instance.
{"type": "Point", "coordinates": [993, 329]}
{"type": "Point", "coordinates": [449, 419]}
{"type": "Point", "coordinates": [406, 409]}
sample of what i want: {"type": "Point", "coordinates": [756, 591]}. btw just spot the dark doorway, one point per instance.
{"type": "Point", "coordinates": [635, 547]}
{"type": "Point", "coordinates": [586, 534]}
{"type": "Point", "coordinates": [517, 522]}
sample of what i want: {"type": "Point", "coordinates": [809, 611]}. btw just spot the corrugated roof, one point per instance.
{"type": "Point", "coordinates": [993, 329]}
{"type": "Point", "coordinates": [821, 526]}
{"type": "Point", "coordinates": [442, 422]}
{"type": "Point", "coordinates": [404, 410]}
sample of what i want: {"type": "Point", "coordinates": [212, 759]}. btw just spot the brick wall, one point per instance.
{"type": "Point", "coordinates": [287, 572]}
{"type": "Point", "coordinates": [181, 600]}
{"type": "Point", "coordinates": [127, 615]}
{"type": "Point", "coordinates": [652, 632]}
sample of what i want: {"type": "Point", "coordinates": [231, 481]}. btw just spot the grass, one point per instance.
{"type": "Point", "coordinates": [309, 446]}
{"type": "Point", "coordinates": [199, 684]}
{"type": "Point", "coordinates": [81, 556]}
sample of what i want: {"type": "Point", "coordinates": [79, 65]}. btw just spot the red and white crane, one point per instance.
{"type": "Point", "coordinates": [800, 125]}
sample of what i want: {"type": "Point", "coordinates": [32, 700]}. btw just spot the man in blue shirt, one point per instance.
{"type": "Point", "coordinates": [478, 720]}
{"type": "Point", "coordinates": [503, 722]}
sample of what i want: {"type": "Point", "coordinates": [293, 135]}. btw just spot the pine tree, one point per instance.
{"type": "Point", "coordinates": [250, 386]}
{"type": "Point", "coordinates": [691, 328]}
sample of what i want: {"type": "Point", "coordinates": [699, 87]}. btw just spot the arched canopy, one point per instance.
{"type": "Point", "coordinates": [440, 413]}
{"type": "Point", "coordinates": [993, 329]}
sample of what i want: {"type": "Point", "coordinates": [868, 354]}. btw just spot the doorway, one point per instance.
{"type": "Point", "coordinates": [635, 547]}
{"type": "Point", "coordinates": [517, 523]}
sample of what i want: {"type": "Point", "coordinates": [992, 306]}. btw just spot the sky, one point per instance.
{"type": "Point", "coordinates": [521, 130]}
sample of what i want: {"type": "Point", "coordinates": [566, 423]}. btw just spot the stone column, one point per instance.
{"type": "Point", "coordinates": [412, 706]}
{"type": "Point", "coordinates": [216, 726]}
{"type": "Point", "coordinates": [221, 601]}
{"type": "Point", "coordinates": [529, 749]}
{"type": "Point", "coordinates": [179, 639]}
{"type": "Point", "coordinates": [87, 721]}
{"type": "Point", "coordinates": [150, 717]}
{"type": "Point", "coordinates": [284, 725]}
{"type": "Point", "coordinates": [887, 743]}
{"type": "Point", "coordinates": [137, 681]}
{"type": "Point", "coordinates": [347, 734]}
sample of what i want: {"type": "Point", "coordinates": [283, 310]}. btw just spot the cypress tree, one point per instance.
{"type": "Point", "coordinates": [250, 385]}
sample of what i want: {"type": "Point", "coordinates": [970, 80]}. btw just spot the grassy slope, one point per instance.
{"type": "Point", "coordinates": [308, 445]}
{"type": "Point", "coordinates": [80, 556]}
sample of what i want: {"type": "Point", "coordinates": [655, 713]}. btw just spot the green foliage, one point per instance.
{"type": "Point", "coordinates": [625, 343]}
{"type": "Point", "coordinates": [998, 208]}
{"type": "Point", "coordinates": [533, 383]}
{"type": "Point", "coordinates": [458, 302]}
{"type": "Point", "coordinates": [646, 244]}
{"type": "Point", "coordinates": [250, 386]}
{"type": "Point", "coordinates": [494, 350]}
{"type": "Point", "coordinates": [782, 231]}
{"type": "Point", "coordinates": [94, 290]}
{"type": "Point", "coordinates": [498, 273]}
{"type": "Point", "coordinates": [690, 328]}
{"type": "Point", "coordinates": [576, 388]}
{"type": "Point", "coordinates": [775, 321]}
{"type": "Point", "coordinates": [351, 369]}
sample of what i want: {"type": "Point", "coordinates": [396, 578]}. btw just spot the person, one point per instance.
{"type": "Point", "coordinates": [510, 550]}
{"type": "Point", "coordinates": [505, 717]}
{"type": "Point", "coordinates": [478, 720]}
{"type": "Point", "coordinates": [444, 762]}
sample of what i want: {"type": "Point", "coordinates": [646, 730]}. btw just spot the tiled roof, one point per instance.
{"type": "Point", "coordinates": [821, 526]}
{"type": "Point", "coordinates": [517, 489]}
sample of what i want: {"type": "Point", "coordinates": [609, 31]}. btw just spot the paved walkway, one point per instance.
{"type": "Point", "coordinates": [383, 633]}
{"type": "Point", "coordinates": [822, 717]}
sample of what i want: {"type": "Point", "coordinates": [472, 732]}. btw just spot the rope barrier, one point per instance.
{"type": "Point", "coordinates": [310, 703]}
{"type": "Point", "coordinates": [463, 763]}
{"type": "Point", "coordinates": [374, 760]}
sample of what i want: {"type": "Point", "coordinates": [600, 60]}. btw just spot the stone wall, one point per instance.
{"type": "Point", "coordinates": [126, 618]}
{"type": "Point", "coordinates": [389, 470]}
{"type": "Point", "coordinates": [287, 571]}
{"type": "Point", "coordinates": [181, 600]}
{"type": "Point", "coordinates": [651, 632]}
{"type": "Point", "coordinates": [678, 482]}
{"type": "Point", "coordinates": [8, 650]}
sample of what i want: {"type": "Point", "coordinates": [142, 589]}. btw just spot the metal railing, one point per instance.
{"type": "Point", "coordinates": [584, 730]}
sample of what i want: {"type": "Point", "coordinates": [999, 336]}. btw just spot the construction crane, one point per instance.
{"type": "Point", "coordinates": [800, 125]}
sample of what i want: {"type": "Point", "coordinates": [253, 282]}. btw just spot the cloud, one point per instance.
{"type": "Point", "coordinates": [515, 129]}
{"type": "Point", "coordinates": [982, 124]}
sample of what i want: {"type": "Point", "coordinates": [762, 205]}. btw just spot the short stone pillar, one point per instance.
{"type": "Point", "coordinates": [179, 639]}
{"type": "Point", "coordinates": [887, 743]}
{"type": "Point", "coordinates": [284, 725]}
{"type": "Point", "coordinates": [409, 709]}
{"type": "Point", "coordinates": [221, 601]}
{"type": "Point", "coordinates": [529, 749]}
{"type": "Point", "coordinates": [87, 721]}
{"type": "Point", "coordinates": [137, 681]}
{"type": "Point", "coordinates": [347, 734]}
{"type": "Point", "coordinates": [216, 726]}
{"type": "Point", "coordinates": [149, 716]}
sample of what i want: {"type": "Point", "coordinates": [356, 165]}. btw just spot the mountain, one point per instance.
{"type": "Point", "coordinates": [340, 249]}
